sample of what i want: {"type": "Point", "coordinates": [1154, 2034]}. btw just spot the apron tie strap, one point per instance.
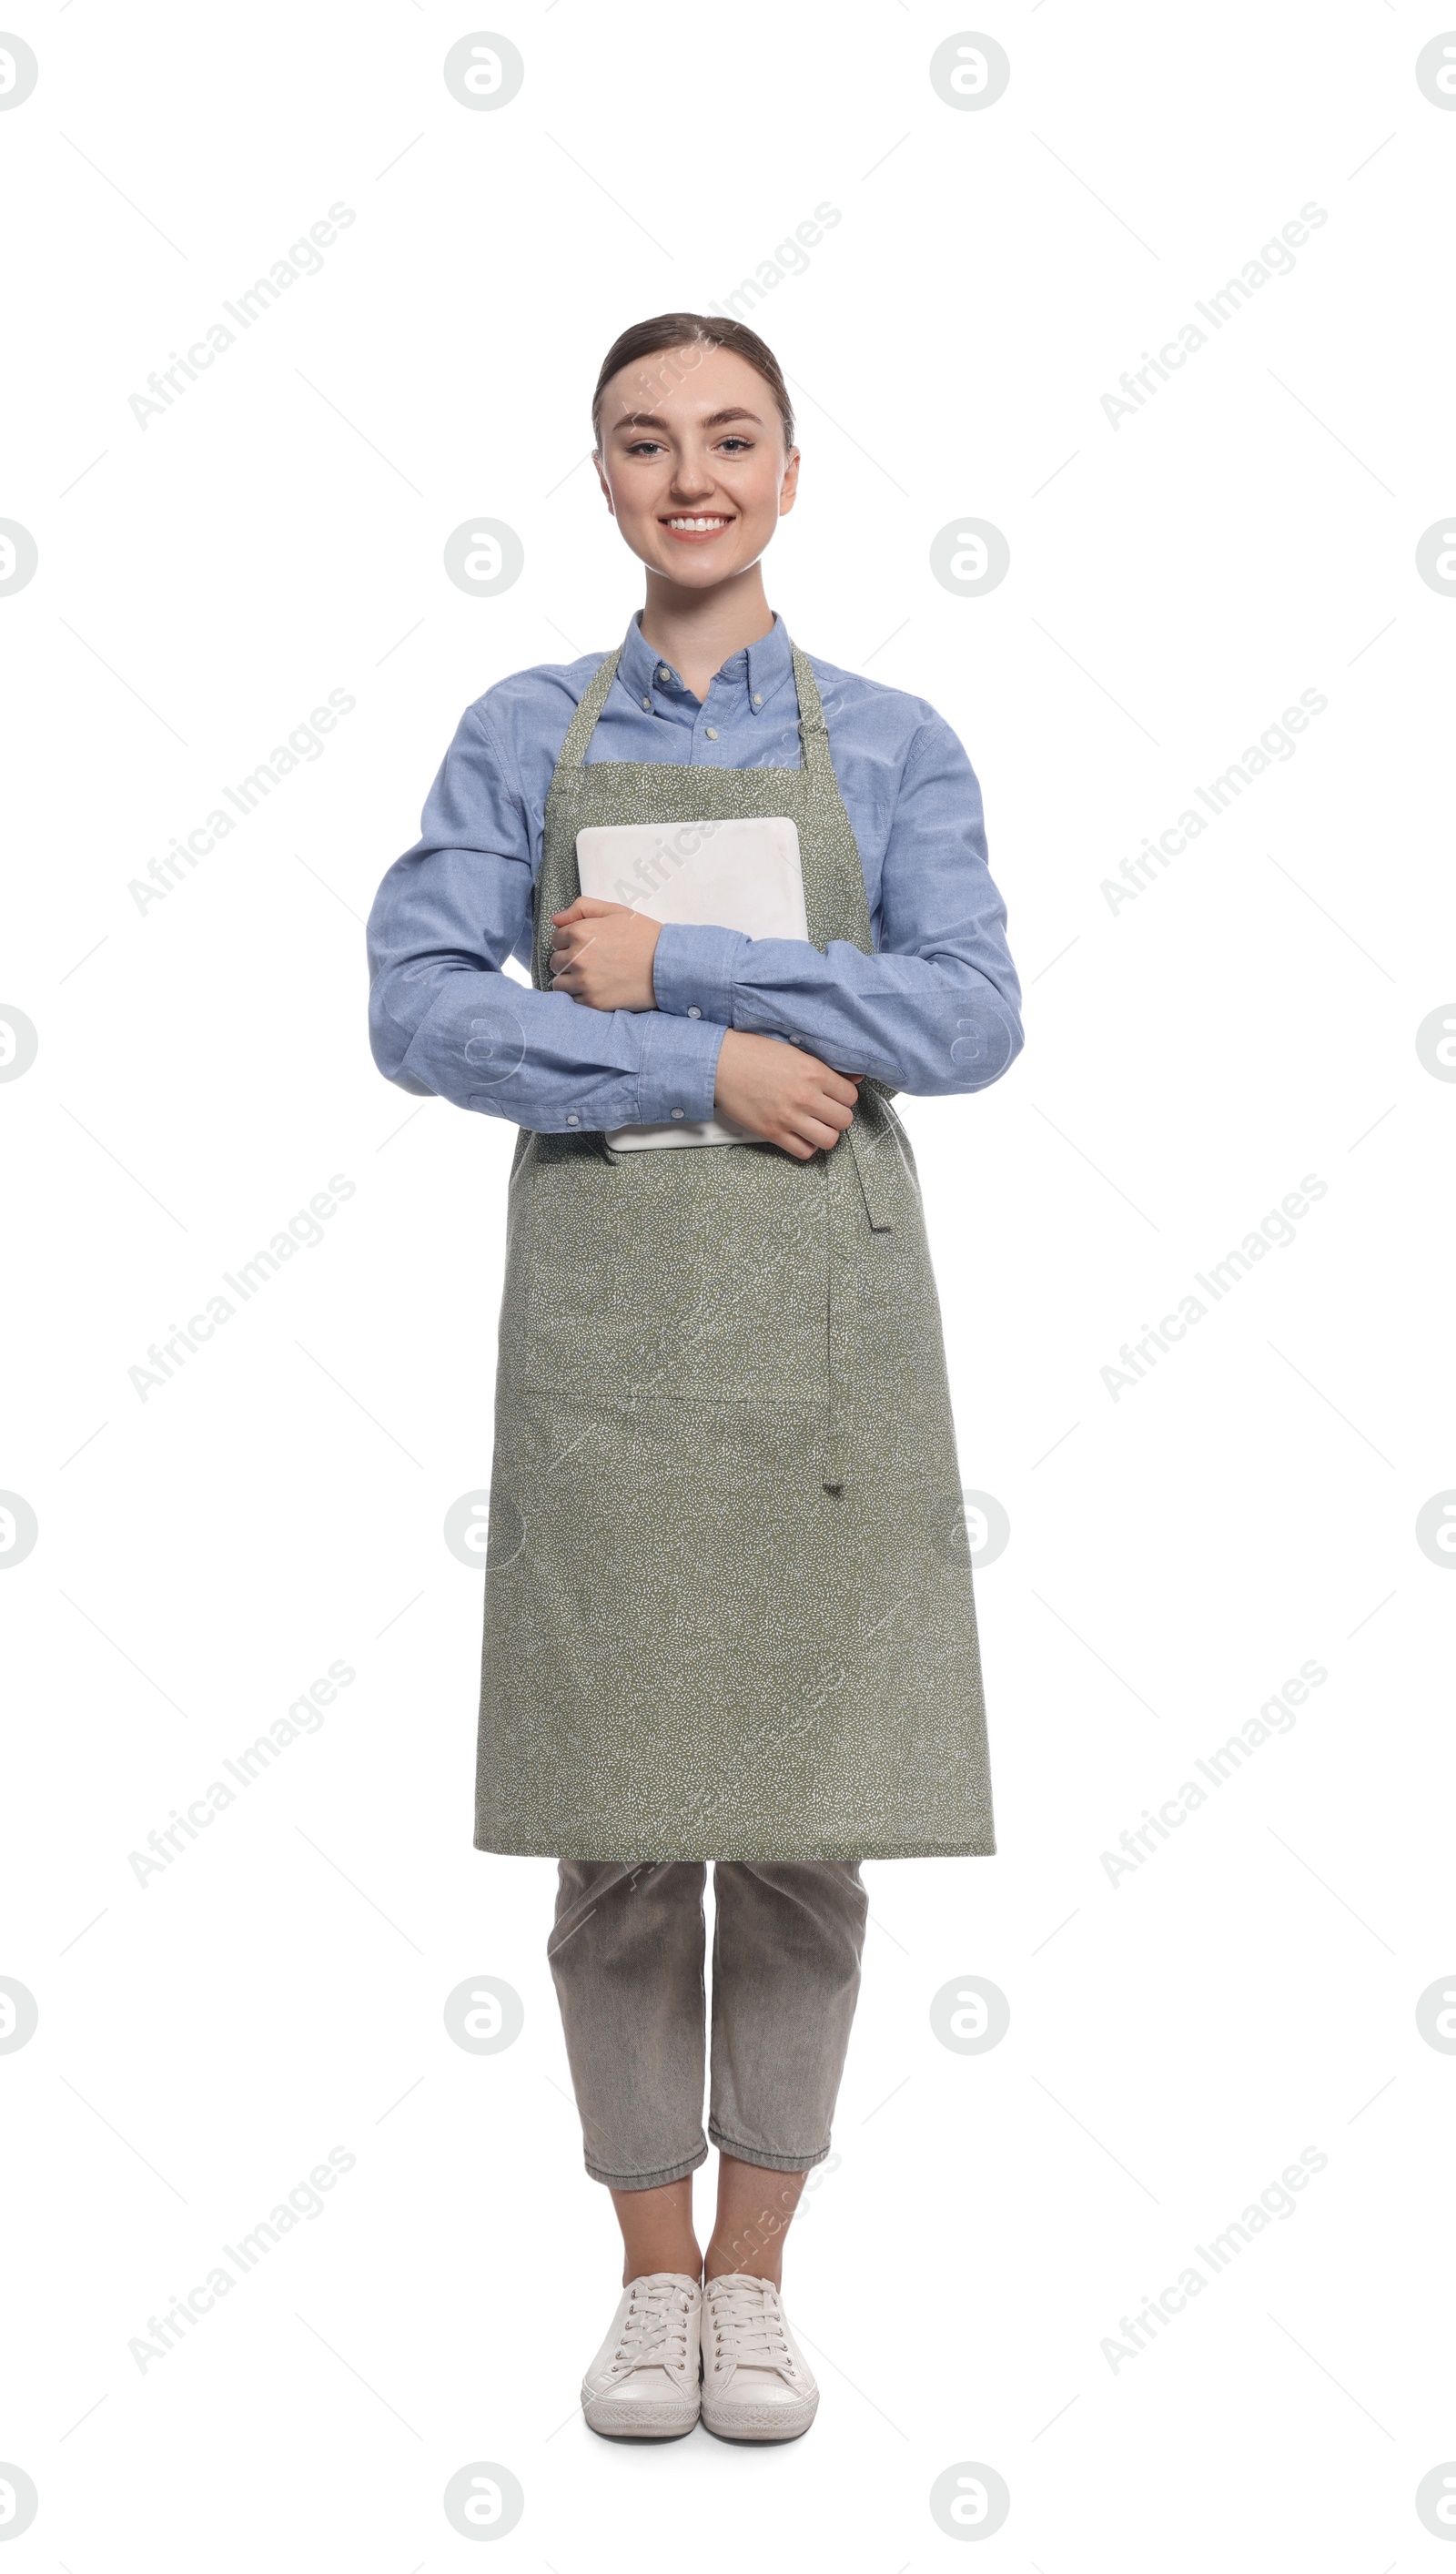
{"type": "Point", "coordinates": [872, 1146]}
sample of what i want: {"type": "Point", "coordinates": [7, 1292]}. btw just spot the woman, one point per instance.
{"type": "Point", "coordinates": [728, 1607]}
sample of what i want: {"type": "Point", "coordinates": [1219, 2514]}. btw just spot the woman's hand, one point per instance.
{"type": "Point", "coordinates": [783, 1095]}
{"type": "Point", "coordinates": [603, 955]}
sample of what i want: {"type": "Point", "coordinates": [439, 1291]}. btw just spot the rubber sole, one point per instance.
{"type": "Point", "coordinates": [675, 2431]}
{"type": "Point", "coordinates": [757, 2439]}
{"type": "Point", "coordinates": [642, 2439]}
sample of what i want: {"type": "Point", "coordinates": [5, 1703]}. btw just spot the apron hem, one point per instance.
{"type": "Point", "coordinates": [755, 1857]}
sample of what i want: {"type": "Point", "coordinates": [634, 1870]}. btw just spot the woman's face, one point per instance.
{"type": "Point", "coordinates": [692, 462]}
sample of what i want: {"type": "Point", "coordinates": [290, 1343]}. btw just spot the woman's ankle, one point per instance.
{"type": "Point", "coordinates": [686, 2262]}
{"type": "Point", "coordinates": [658, 2232]}
{"type": "Point", "coordinates": [728, 2260]}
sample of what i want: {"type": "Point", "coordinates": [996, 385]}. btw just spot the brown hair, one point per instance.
{"type": "Point", "coordinates": [668, 331]}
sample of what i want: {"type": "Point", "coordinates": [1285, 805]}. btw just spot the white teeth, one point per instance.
{"type": "Point", "coordinates": [695, 523]}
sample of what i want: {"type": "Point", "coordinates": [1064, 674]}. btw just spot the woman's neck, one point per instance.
{"type": "Point", "coordinates": [698, 630]}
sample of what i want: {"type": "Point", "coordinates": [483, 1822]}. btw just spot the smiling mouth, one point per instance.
{"type": "Point", "coordinates": [685, 525]}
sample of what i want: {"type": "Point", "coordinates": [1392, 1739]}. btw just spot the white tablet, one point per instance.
{"type": "Point", "coordinates": [742, 874]}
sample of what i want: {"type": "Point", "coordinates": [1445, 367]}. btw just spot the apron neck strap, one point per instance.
{"type": "Point", "coordinates": [590, 705]}
{"type": "Point", "coordinates": [813, 733]}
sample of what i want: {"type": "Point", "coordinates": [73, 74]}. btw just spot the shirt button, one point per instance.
{"type": "Point", "coordinates": [664, 673]}
{"type": "Point", "coordinates": [711, 730]}
{"type": "Point", "coordinates": [694, 1011]}
{"type": "Point", "coordinates": [759, 700]}
{"type": "Point", "coordinates": [647, 705]}
{"type": "Point", "coordinates": [677, 1112]}
{"type": "Point", "coordinates": [574, 1121]}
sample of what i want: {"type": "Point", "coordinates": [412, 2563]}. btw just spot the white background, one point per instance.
{"type": "Point", "coordinates": [1176, 2038]}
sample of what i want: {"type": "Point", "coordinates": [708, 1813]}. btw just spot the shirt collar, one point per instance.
{"type": "Point", "coordinates": [745, 687]}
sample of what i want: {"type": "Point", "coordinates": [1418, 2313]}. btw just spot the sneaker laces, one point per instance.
{"type": "Point", "coordinates": [748, 2324]}
{"type": "Point", "coordinates": [654, 2329]}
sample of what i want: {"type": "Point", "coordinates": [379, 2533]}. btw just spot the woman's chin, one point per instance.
{"type": "Point", "coordinates": [692, 563]}
{"type": "Point", "coordinates": [705, 570]}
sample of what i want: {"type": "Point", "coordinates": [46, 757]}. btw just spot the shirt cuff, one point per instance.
{"type": "Point", "coordinates": [693, 971]}
{"type": "Point", "coordinates": [679, 1068]}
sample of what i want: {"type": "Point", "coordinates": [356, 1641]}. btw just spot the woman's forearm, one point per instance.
{"type": "Point", "coordinates": [920, 1023]}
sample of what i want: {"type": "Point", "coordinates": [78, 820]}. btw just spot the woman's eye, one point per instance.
{"type": "Point", "coordinates": [741, 446]}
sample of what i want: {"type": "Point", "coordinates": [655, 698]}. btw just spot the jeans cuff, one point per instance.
{"type": "Point", "coordinates": [650, 2179]}
{"type": "Point", "coordinates": [758, 2155]}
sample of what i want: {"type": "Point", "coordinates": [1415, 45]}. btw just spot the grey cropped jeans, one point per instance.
{"type": "Point", "coordinates": [626, 1956]}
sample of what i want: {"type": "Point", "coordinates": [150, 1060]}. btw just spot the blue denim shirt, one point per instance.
{"type": "Point", "coordinates": [937, 1009]}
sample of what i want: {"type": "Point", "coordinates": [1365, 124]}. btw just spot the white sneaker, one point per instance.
{"type": "Point", "coordinates": [644, 2382]}
{"type": "Point", "coordinates": [757, 2383]}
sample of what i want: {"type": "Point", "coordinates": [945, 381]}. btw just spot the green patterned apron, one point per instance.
{"type": "Point", "coordinates": [729, 1607]}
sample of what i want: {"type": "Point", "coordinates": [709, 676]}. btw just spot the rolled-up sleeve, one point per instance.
{"type": "Point", "coordinates": [937, 1007]}
{"type": "Point", "coordinates": [443, 1016]}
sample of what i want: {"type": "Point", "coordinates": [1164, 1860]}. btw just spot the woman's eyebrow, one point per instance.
{"type": "Point", "coordinates": [714, 419]}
